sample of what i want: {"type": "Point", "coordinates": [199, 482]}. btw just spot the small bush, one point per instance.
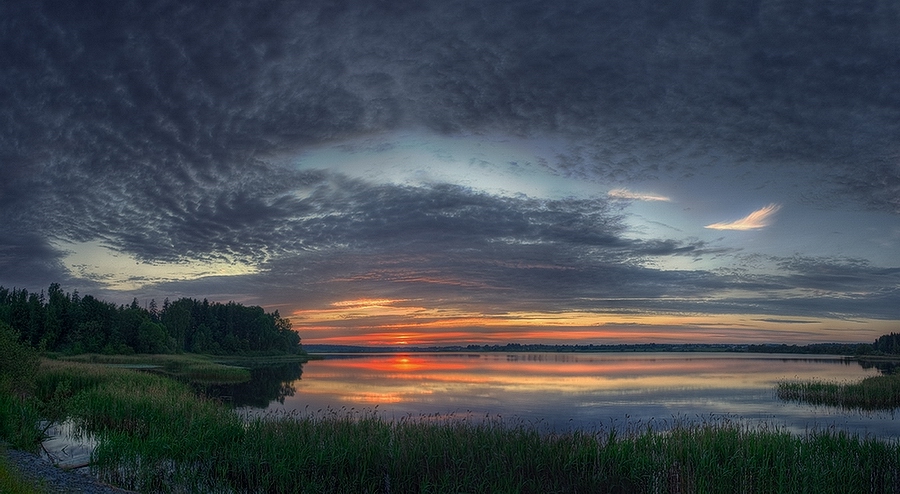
{"type": "Point", "coordinates": [19, 411]}
{"type": "Point", "coordinates": [18, 364]}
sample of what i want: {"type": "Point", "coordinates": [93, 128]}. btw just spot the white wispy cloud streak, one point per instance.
{"type": "Point", "coordinates": [758, 219]}
{"type": "Point", "coordinates": [636, 196]}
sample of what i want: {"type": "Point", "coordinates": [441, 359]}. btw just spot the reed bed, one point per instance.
{"type": "Point", "coordinates": [872, 393]}
{"type": "Point", "coordinates": [20, 422]}
{"type": "Point", "coordinates": [154, 435]}
{"type": "Point", "coordinates": [335, 453]}
{"type": "Point", "coordinates": [198, 368]}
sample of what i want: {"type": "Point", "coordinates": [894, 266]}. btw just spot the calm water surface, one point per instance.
{"type": "Point", "coordinates": [579, 390]}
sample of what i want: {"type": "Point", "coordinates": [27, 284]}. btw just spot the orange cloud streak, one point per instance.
{"type": "Point", "coordinates": [758, 219]}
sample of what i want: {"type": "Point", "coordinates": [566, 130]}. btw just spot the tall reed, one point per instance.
{"type": "Point", "coordinates": [20, 422]}
{"type": "Point", "coordinates": [193, 367]}
{"type": "Point", "coordinates": [872, 393]}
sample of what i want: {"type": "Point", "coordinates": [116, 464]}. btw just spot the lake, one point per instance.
{"type": "Point", "coordinates": [561, 391]}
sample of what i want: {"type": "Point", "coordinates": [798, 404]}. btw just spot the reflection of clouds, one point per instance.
{"type": "Point", "coordinates": [575, 390]}
{"type": "Point", "coordinates": [369, 398]}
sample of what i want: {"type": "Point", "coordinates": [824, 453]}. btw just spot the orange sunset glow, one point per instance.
{"type": "Point", "coordinates": [388, 322]}
{"type": "Point", "coordinates": [395, 379]}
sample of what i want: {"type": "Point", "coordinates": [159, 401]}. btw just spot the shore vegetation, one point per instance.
{"type": "Point", "coordinates": [154, 434]}
{"type": "Point", "coordinates": [871, 394]}
{"type": "Point", "coordinates": [190, 367]}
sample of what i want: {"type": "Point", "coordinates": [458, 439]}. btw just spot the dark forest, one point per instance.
{"type": "Point", "coordinates": [58, 321]}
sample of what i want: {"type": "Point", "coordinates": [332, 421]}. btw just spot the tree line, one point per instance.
{"type": "Point", "coordinates": [889, 343]}
{"type": "Point", "coordinates": [815, 348]}
{"type": "Point", "coordinates": [62, 322]}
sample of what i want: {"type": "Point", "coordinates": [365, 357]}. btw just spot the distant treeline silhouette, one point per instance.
{"type": "Point", "coordinates": [69, 323]}
{"type": "Point", "coordinates": [880, 347]}
{"type": "Point", "coordinates": [889, 343]}
{"type": "Point", "coordinates": [814, 348]}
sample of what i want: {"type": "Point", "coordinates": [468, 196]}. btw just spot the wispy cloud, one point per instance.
{"type": "Point", "coordinates": [758, 219]}
{"type": "Point", "coordinates": [636, 196]}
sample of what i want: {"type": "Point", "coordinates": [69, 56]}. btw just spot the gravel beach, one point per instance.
{"type": "Point", "coordinates": [57, 480]}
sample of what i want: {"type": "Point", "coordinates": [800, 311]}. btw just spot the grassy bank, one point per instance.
{"type": "Point", "coordinates": [193, 367]}
{"type": "Point", "coordinates": [155, 435]}
{"type": "Point", "coordinates": [872, 393]}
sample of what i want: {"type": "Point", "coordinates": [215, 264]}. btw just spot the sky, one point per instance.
{"type": "Point", "coordinates": [454, 172]}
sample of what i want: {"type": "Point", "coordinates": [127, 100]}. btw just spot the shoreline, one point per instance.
{"type": "Point", "coordinates": [53, 479]}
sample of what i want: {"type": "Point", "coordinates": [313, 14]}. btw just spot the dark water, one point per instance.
{"type": "Point", "coordinates": [268, 384]}
{"type": "Point", "coordinates": [561, 391]}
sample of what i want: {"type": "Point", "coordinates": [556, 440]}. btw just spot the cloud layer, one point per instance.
{"type": "Point", "coordinates": [166, 131]}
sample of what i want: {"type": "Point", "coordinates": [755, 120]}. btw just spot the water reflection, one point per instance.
{"type": "Point", "coordinates": [267, 384]}
{"type": "Point", "coordinates": [588, 391]}
{"type": "Point", "coordinates": [886, 367]}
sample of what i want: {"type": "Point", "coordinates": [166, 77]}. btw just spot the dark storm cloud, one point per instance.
{"type": "Point", "coordinates": [443, 238]}
{"type": "Point", "coordinates": [833, 304]}
{"type": "Point", "coordinates": [324, 211]}
{"type": "Point", "coordinates": [877, 185]}
{"type": "Point", "coordinates": [825, 274]}
{"type": "Point", "coordinates": [153, 127]}
{"type": "Point", "coordinates": [814, 286]}
{"type": "Point", "coordinates": [28, 260]}
{"type": "Point", "coordinates": [203, 85]}
{"type": "Point", "coordinates": [451, 243]}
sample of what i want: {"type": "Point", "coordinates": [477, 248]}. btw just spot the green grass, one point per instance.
{"type": "Point", "coordinates": [193, 367]}
{"type": "Point", "coordinates": [20, 420]}
{"type": "Point", "coordinates": [155, 435]}
{"type": "Point", "coordinates": [342, 452]}
{"type": "Point", "coordinates": [872, 393]}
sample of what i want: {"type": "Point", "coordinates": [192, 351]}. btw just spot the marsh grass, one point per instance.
{"type": "Point", "coordinates": [871, 394]}
{"type": "Point", "coordinates": [193, 367]}
{"type": "Point", "coordinates": [19, 410]}
{"type": "Point", "coordinates": [340, 452]}
{"type": "Point", "coordinates": [155, 435]}
{"type": "Point", "coordinates": [20, 422]}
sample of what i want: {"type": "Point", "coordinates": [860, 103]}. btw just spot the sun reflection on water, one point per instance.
{"type": "Point", "coordinates": [573, 390]}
